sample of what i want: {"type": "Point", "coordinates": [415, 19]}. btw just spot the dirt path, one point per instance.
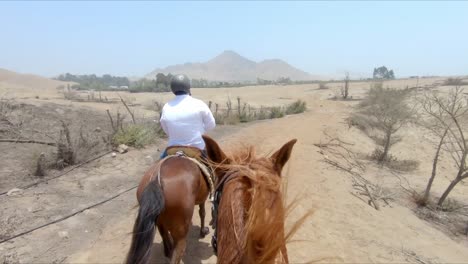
{"type": "Point", "coordinates": [56, 198]}
{"type": "Point", "coordinates": [342, 229]}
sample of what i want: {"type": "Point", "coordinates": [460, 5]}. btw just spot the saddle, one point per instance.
{"type": "Point", "coordinates": [196, 156]}
{"type": "Point", "coordinates": [188, 151]}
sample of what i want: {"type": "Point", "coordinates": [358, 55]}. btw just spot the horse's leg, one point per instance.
{"type": "Point", "coordinates": [180, 242]}
{"type": "Point", "coordinates": [203, 230]}
{"type": "Point", "coordinates": [179, 251]}
{"type": "Point", "coordinates": [167, 241]}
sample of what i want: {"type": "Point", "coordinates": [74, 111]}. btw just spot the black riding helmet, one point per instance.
{"type": "Point", "coordinates": [180, 83]}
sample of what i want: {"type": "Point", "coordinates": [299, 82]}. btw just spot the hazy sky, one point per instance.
{"type": "Point", "coordinates": [133, 38]}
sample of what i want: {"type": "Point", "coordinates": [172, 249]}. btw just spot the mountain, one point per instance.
{"type": "Point", "coordinates": [232, 67]}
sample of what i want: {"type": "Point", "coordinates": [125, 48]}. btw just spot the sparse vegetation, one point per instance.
{"type": "Point", "coordinates": [345, 88]}
{"type": "Point", "coordinates": [455, 82]}
{"type": "Point", "coordinates": [381, 115]}
{"type": "Point", "coordinates": [323, 86]}
{"type": "Point", "coordinates": [246, 113]}
{"type": "Point", "coordinates": [72, 141]}
{"type": "Point", "coordinates": [450, 217]}
{"type": "Point", "coordinates": [296, 107]}
{"type": "Point", "coordinates": [449, 114]}
{"type": "Point", "coordinates": [276, 112]}
{"type": "Point", "coordinates": [393, 162]}
{"type": "Point", "coordinates": [136, 135]}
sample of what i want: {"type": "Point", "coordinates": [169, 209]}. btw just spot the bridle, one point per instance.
{"type": "Point", "coordinates": [214, 209]}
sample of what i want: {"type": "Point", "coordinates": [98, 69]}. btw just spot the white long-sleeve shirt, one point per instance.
{"type": "Point", "coordinates": [185, 119]}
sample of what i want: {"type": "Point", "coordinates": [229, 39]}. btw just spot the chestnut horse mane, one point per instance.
{"type": "Point", "coordinates": [263, 237]}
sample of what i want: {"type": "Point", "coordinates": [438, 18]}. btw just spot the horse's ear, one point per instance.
{"type": "Point", "coordinates": [213, 150]}
{"type": "Point", "coordinates": [281, 156]}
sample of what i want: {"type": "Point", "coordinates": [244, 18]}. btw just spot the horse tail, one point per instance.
{"type": "Point", "coordinates": [151, 206]}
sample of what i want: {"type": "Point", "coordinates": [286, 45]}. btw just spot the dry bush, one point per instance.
{"type": "Point", "coordinates": [243, 112]}
{"type": "Point", "coordinates": [40, 169]}
{"type": "Point", "coordinates": [381, 115]}
{"type": "Point", "coordinates": [137, 135]}
{"type": "Point", "coordinates": [276, 112]}
{"type": "Point", "coordinates": [448, 113]}
{"type": "Point", "coordinates": [59, 135]}
{"type": "Point", "coordinates": [72, 95]}
{"type": "Point", "coordinates": [451, 218]}
{"type": "Point", "coordinates": [323, 86]}
{"type": "Point", "coordinates": [345, 88]}
{"type": "Point", "coordinates": [296, 107]}
{"type": "Point", "coordinates": [455, 82]}
{"type": "Point", "coordinates": [393, 162]}
{"type": "Point", "coordinates": [77, 145]}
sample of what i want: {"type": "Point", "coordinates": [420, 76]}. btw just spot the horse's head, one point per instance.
{"type": "Point", "coordinates": [251, 216]}
{"type": "Point", "coordinates": [246, 157]}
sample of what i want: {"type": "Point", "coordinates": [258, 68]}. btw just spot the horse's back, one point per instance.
{"type": "Point", "coordinates": [180, 179]}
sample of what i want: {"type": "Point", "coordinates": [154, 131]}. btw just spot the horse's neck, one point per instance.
{"type": "Point", "coordinates": [231, 222]}
{"type": "Point", "coordinates": [233, 233]}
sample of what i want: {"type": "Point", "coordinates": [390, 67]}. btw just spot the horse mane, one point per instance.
{"type": "Point", "coordinates": [264, 235]}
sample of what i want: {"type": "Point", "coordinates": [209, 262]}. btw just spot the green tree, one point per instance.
{"type": "Point", "coordinates": [383, 73]}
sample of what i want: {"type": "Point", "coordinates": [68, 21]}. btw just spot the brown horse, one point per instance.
{"type": "Point", "coordinates": [168, 202]}
{"type": "Point", "coordinates": [250, 214]}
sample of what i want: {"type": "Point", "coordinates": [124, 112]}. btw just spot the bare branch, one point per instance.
{"type": "Point", "coordinates": [30, 141]}
{"type": "Point", "coordinates": [128, 109]}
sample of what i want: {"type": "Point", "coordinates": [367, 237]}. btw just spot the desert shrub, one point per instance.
{"type": "Point", "coordinates": [323, 86]}
{"type": "Point", "coordinates": [358, 121]}
{"type": "Point", "coordinates": [393, 162]}
{"type": "Point", "coordinates": [404, 165]}
{"type": "Point", "coordinates": [296, 107]}
{"type": "Point", "coordinates": [455, 82]}
{"type": "Point", "coordinates": [345, 88]}
{"type": "Point", "coordinates": [381, 115]}
{"type": "Point", "coordinates": [227, 119]}
{"type": "Point", "coordinates": [71, 95]}
{"type": "Point", "coordinates": [136, 135]}
{"type": "Point", "coordinates": [276, 112]}
{"type": "Point", "coordinates": [245, 117]}
{"type": "Point", "coordinates": [243, 112]}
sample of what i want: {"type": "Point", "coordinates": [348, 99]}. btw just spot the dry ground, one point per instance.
{"type": "Point", "coordinates": [342, 229]}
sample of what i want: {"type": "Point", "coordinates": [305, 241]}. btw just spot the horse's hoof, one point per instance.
{"type": "Point", "coordinates": [204, 231]}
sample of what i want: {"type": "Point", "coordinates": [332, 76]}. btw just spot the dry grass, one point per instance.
{"type": "Point", "coordinates": [245, 113]}
{"type": "Point", "coordinates": [136, 135]}
{"type": "Point", "coordinates": [323, 86]}
{"type": "Point", "coordinates": [393, 162]}
{"type": "Point", "coordinates": [452, 218]}
{"type": "Point", "coordinates": [455, 82]}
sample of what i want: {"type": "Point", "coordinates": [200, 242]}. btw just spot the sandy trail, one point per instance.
{"type": "Point", "coordinates": [342, 229]}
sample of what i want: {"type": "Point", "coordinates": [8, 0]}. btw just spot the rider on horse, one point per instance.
{"type": "Point", "coordinates": [184, 118]}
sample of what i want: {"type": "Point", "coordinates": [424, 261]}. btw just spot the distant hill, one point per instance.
{"type": "Point", "coordinates": [14, 80]}
{"type": "Point", "coordinates": [232, 67]}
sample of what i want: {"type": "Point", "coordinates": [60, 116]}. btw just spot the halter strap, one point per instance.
{"type": "Point", "coordinates": [214, 209]}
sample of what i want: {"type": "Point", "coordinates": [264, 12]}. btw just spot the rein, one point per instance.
{"type": "Point", "coordinates": [214, 209]}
